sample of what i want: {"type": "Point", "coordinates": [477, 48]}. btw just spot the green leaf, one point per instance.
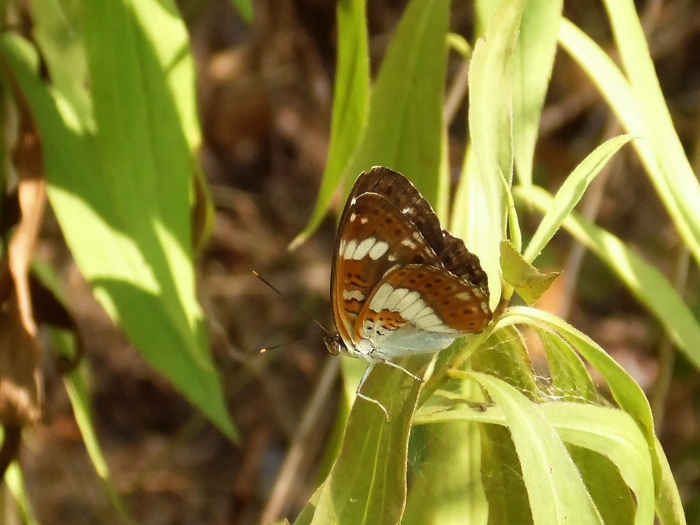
{"type": "Point", "coordinates": [504, 355]}
{"type": "Point", "coordinates": [351, 92]}
{"type": "Point", "coordinates": [80, 401]}
{"type": "Point", "coordinates": [479, 214]}
{"type": "Point", "coordinates": [63, 342]}
{"type": "Point", "coordinates": [669, 507]}
{"type": "Point", "coordinates": [405, 110]}
{"type": "Point", "coordinates": [616, 444]}
{"type": "Point", "coordinates": [644, 281]}
{"type": "Point", "coordinates": [676, 170]}
{"type": "Point", "coordinates": [142, 81]}
{"type": "Point", "coordinates": [555, 488]}
{"type": "Point", "coordinates": [641, 110]}
{"type": "Point", "coordinates": [503, 478]}
{"type": "Point", "coordinates": [570, 194]}
{"type": "Point", "coordinates": [123, 198]}
{"type": "Point", "coordinates": [626, 392]}
{"type": "Point", "coordinates": [58, 32]}
{"type": "Point", "coordinates": [447, 489]}
{"type": "Point", "coordinates": [613, 434]}
{"type": "Point", "coordinates": [534, 60]}
{"type": "Point", "coordinates": [367, 484]}
{"type": "Point", "coordinates": [612, 497]}
{"type": "Point", "coordinates": [18, 489]}
{"type": "Point", "coordinates": [490, 93]}
{"type": "Point", "coordinates": [570, 378]}
{"type": "Point", "coordinates": [527, 280]}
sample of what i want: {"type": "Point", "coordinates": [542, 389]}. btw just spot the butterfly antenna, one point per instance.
{"type": "Point", "coordinates": [274, 347]}
{"type": "Point", "coordinates": [289, 301]}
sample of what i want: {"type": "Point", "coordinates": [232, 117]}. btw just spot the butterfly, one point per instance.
{"type": "Point", "coordinates": [400, 284]}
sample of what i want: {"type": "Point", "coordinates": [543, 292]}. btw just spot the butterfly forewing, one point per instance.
{"type": "Point", "coordinates": [376, 238]}
{"type": "Point", "coordinates": [399, 191]}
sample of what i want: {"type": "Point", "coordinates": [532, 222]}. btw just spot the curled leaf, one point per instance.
{"type": "Point", "coordinates": [527, 280]}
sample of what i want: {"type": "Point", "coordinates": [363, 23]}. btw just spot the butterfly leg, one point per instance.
{"type": "Point", "coordinates": [394, 365]}
{"type": "Point", "coordinates": [367, 398]}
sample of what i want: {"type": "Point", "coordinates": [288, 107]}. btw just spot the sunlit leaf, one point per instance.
{"type": "Point", "coordinates": [534, 59]}
{"type": "Point", "coordinates": [527, 280]}
{"type": "Point", "coordinates": [123, 197]}
{"type": "Point", "coordinates": [570, 194]}
{"type": "Point", "coordinates": [642, 279]}
{"type": "Point", "coordinates": [479, 214]}
{"type": "Point", "coordinates": [350, 98]}
{"type": "Point", "coordinates": [637, 105]}
{"type": "Point", "coordinates": [405, 109]}
{"type": "Point", "coordinates": [555, 488]}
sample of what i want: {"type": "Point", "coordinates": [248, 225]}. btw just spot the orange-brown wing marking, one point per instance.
{"type": "Point", "coordinates": [457, 303]}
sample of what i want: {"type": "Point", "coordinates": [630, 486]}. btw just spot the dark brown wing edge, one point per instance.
{"type": "Point", "coordinates": [400, 192]}
{"type": "Point", "coordinates": [463, 263]}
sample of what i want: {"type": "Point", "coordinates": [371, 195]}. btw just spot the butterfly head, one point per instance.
{"type": "Point", "coordinates": [333, 343]}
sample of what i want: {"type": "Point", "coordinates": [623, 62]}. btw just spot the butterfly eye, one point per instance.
{"type": "Point", "coordinates": [333, 344]}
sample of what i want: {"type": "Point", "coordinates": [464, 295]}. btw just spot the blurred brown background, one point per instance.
{"type": "Point", "coordinates": [265, 94]}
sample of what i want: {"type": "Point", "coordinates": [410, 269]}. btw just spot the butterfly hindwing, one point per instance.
{"type": "Point", "coordinates": [400, 284]}
{"type": "Point", "coordinates": [462, 263]}
{"type": "Point", "coordinates": [417, 309]}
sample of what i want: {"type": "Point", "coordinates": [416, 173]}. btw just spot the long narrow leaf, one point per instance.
{"type": "Point", "coordinates": [351, 93]}
{"type": "Point", "coordinates": [130, 238]}
{"type": "Point", "coordinates": [628, 394]}
{"type": "Point", "coordinates": [479, 214]}
{"type": "Point", "coordinates": [450, 464]}
{"type": "Point", "coordinates": [534, 59]}
{"type": "Point", "coordinates": [614, 434]}
{"type": "Point", "coordinates": [367, 483]}
{"type": "Point", "coordinates": [669, 506]}
{"type": "Point", "coordinates": [405, 109]}
{"type": "Point", "coordinates": [677, 190]}
{"type": "Point", "coordinates": [79, 396]}
{"type": "Point", "coordinates": [570, 193]}
{"type": "Point", "coordinates": [570, 379]}
{"type": "Point", "coordinates": [555, 488]}
{"type": "Point", "coordinates": [606, 431]}
{"type": "Point", "coordinates": [675, 167]}
{"type": "Point", "coordinates": [644, 281]}
{"type": "Point", "coordinates": [18, 488]}
{"type": "Point", "coordinates": [142, 81]}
